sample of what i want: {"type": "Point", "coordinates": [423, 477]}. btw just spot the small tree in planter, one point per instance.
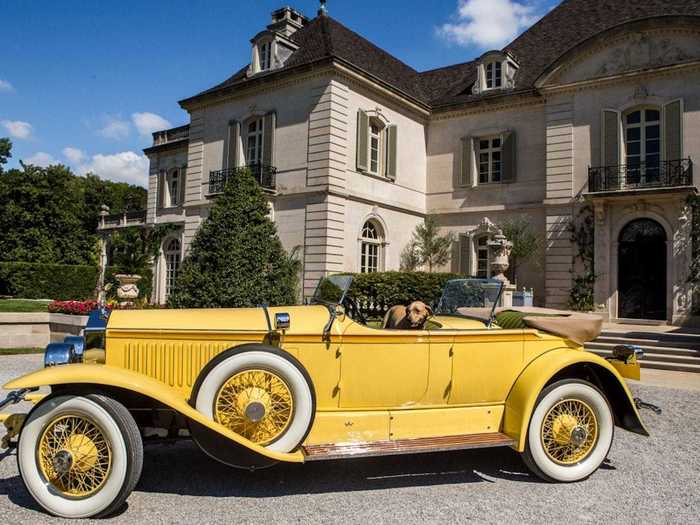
{"type": "Point", "coordinates": [527, 244]}
{"type": "Point", "coordinates": [236, 258]}
{"type": "Point", "coordinates": [427, 248]}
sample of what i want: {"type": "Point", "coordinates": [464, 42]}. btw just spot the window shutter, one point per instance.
{"type": "Point", "coordinates": [673, 138]}
{"type": "Point", "coordinates": [234, 137]}
{"type": "Point", "coordinates": [269, 139]}
{"type": "Point", "coordinates": [463, 255]}
{"type": "Point", "coordinates": [610, 149]}
{"type": "Point", "coordinates": [160, 192]}
{"type": "Point", "coordinates": [465, 167]}
{"type": "Point", "coordinates": [508, 157]}
{"type": "Point", "coordinates": [183, 182]}
{"type": "Point", "coordinates": [391, 137]}
{"type": "Point", "coordinates": [362, 140]}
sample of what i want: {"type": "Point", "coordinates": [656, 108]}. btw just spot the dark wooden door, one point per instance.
{"type": "Point", "coordinates": [642, 270]}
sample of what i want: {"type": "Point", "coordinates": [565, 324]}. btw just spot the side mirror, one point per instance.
{"type": "Point", "coordinates": [282, 321]}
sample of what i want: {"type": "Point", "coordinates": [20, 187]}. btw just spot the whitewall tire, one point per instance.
{"type": "Point", "coordinates": [80, 456]}
{"type": "Point", "coordinates": [261, 393]}
{"type": "Point", "coordinates": [570, 431]}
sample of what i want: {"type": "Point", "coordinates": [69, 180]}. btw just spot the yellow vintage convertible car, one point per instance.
{"type": "Point", "coordinates": [256, 386]}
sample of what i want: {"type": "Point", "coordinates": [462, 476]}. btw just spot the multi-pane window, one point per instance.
{"type": "Point", "coordinates": [173, 188]}
{"type": "Point", "coordinates": [643, 145]}
{"type": "Point", "coordinates": [482, 257]}
{"type": "Point", "coordinates": [490, 149]}
{"type": "Point", "coordinates": [265, 55]}
{"type": "Point", "coordinates": [494, 75]}
{"type": "Point", "coordinates": [370, 248]}
{"type": "Point", "coordinates": [254, 142]}
{"type": "Point", "coordinates": [172, 264]}
{"type": "Point", "coordinates": [375, 135]}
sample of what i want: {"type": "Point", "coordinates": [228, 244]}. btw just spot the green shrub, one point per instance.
{"type": "Point", "coordinates": [47, 281]}
{"type": "Point", "coordinates": [236, 258]}
{"type": "Point", "coordinates": [377, 292]}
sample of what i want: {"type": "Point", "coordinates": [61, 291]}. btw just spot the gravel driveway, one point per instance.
{"type": "Point", "coordinates": [645, 480]}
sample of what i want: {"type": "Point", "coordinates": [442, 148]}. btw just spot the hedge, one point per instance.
{"type": "Point", "coordinates": [47, 281]}
{"type": "Point", "coordinates": [62, 282]}
{"type": "Point", "coordinates": [377, 292]}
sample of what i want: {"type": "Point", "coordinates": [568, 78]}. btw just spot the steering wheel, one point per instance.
{"type": "Point", "coordinates": [353, 309]}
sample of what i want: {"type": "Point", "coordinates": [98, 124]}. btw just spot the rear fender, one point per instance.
{"type": "Point", "coordinates": [103, 375]}
{"type": "Point", "coordinates": [566, 363]}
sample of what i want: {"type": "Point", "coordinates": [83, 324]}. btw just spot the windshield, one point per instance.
{"type": "Point", "coordinates": [332, 289]}
{"type": "Point", "coordinates": [469, 293]}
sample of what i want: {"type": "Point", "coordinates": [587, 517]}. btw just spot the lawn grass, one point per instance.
{"type": "Point", "coordinates": [20, 351]}
{"type": "Point", "coordinates": [22, 305]}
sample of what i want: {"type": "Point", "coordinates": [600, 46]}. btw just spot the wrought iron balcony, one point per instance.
{"type": "Point", "coordinates": [641, 175]}
{"type": "Point", "coordinates": [263, 174]}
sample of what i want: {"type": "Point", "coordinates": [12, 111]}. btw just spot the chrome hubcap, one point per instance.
{"type": "Point", "coordinates": [255, 411]}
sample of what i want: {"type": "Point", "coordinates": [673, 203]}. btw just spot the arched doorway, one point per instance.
{"type": "Point", "coordinates": [642, 270]}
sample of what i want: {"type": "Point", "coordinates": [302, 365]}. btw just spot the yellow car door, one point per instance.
{"type": "Point", "coordinates": [383, 368]}
{"type": "Point", "coordinates": [485, 363]}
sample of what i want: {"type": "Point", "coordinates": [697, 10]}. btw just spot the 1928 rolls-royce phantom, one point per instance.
{"type": "Point", "coordinates": [256, 386]}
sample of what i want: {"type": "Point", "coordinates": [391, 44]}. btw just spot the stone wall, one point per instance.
{"type": "Point", "coordinates": [36, 330]}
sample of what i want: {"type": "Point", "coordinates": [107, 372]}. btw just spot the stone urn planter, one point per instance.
{"type": "Point", "coordinates": [127, 290]}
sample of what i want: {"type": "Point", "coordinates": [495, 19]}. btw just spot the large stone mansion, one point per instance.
{"type": "Point", "coordinates": [598, 103]}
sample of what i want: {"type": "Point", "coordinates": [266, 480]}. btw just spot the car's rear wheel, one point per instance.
{"type": "Point", "coordinates": [260, 393]}
{"type": "Point", "coordinates": [570, 432]}
{"type": "Point", "coordinates": [80, 456]}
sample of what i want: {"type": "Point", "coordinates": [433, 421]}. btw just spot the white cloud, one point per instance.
{"type": "Point", "coordinates": [489, 24]}
{"type": "Point", "coordinates": [147, 123]}
{"type": "Point", "coordinates": [17, 128]}
{"type": "Point", "coordinates": [126, 166]}
{"type": "Point", "coordinates": [74, 155]}
{"type": "Point", "coordinates": [115, 128]}
{"type": "Point", "coordinates": [6, 87]}
{"type": "Point", "coordinates": [40, 158]}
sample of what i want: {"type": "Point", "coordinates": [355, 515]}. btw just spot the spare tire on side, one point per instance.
{"type": "Point", "coordinates": [260, 392]}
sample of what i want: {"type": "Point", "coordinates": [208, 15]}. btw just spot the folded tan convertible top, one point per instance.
{"type": "Point", "coordinates": [576, 326]}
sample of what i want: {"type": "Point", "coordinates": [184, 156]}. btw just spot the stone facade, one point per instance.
{"type": "Point", "coordinates": [547, 136]}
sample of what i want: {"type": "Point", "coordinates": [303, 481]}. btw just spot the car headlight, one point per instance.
{"type": "Point", "coordinates": [70, 351]}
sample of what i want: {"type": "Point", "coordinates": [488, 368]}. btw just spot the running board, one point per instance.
{"type": "Point", "coordinates": [405, 446]}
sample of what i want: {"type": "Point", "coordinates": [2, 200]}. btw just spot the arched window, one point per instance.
{"type": "Point", "coordinates": [371, 247]}
{"type": "Point", "coordinates": [173, 188]}
{"type": "Point", "coordinates": [172, 264]}
{"type": "Point", "coordinates": [642, 144]}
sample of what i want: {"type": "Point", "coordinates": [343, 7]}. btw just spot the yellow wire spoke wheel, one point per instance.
{"type": "Point", "coordinates": [74, 456]}
{"type": "Point", "coordinates": [569, 431]}
{"type": "Point", "coordinates": [257, 404]}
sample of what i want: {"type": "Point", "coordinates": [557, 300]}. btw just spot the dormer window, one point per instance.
{"type": "Point", "coordinates": [265, 55]}
{"type": "Point", "coordinates": [495, 70]}
{"type": "Point", "coordinates": [494, 75]}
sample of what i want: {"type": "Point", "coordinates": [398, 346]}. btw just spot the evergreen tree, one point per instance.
{"type": "Point", "coordinates": [236, 258]}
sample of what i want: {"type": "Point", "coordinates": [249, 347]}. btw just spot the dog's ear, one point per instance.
{"type": "Point", "coordinates": [429, 310]}
{"type": "Point", "coordinates": [408, 309]}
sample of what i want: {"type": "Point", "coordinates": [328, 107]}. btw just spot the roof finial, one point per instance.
{"type": "Point", "coordinates": [323, 10]}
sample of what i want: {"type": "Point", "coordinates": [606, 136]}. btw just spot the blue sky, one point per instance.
{"type": "Point", "coordinates": [85, 82]}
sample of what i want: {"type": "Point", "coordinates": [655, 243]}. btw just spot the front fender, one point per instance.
{"type": "Point", "coordinates": [523, 395]}
{"type": "Point", "coordinates": [125, 379]}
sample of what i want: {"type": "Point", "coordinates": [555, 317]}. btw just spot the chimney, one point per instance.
{"type": "Point", "coordinates": [287, 21]}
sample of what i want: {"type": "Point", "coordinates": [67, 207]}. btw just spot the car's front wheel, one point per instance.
{"type": "Point", "coordinates": [260, 393]}
{"type": "Point", "coordinates": [80, 456]}
{"type": "Point", "coordinates": [570, 431]}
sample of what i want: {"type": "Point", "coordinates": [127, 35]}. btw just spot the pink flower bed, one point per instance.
{"type": "Point", "coordinates": [72, 307]}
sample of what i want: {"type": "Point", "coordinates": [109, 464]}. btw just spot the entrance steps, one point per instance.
{"type": "Point", "coordinates": [664, 350]}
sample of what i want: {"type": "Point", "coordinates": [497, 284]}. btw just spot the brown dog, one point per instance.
{"type": "Point", "coordinates": [411, 317]}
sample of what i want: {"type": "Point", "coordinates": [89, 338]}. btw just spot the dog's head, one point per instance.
{"type": "Point", "coordinates": [417, 314]}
